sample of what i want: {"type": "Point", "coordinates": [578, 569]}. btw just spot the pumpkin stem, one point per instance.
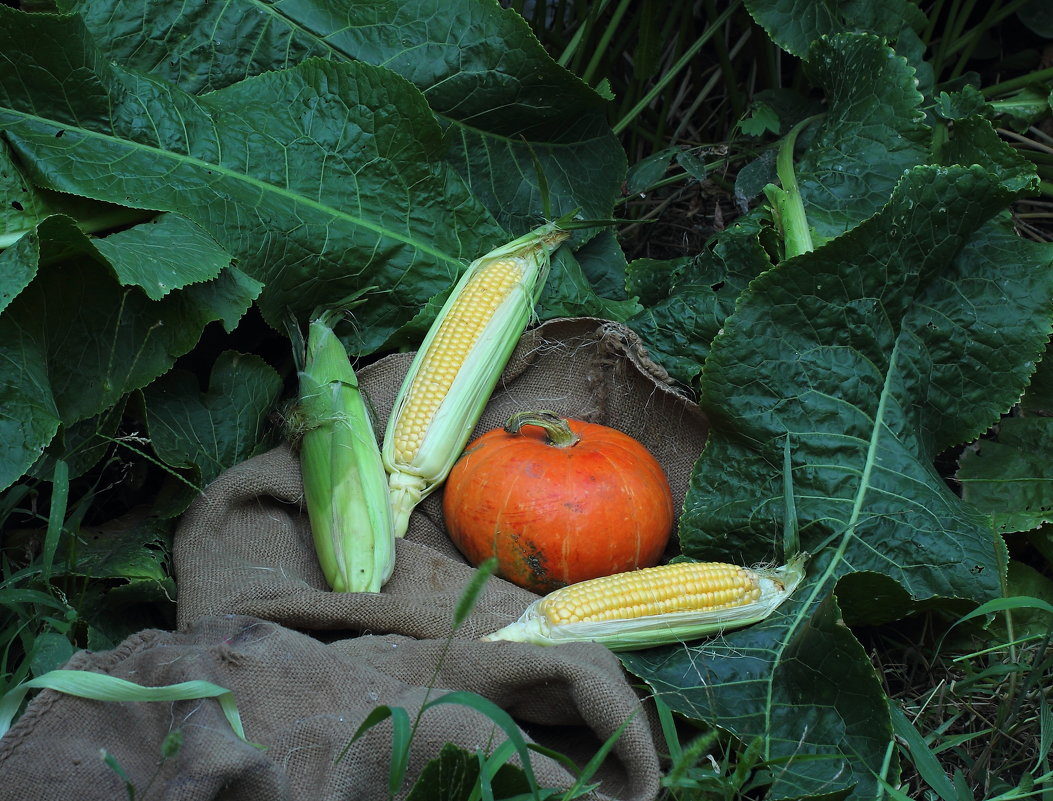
{"type": "Point", "coordinates": [557, 430]}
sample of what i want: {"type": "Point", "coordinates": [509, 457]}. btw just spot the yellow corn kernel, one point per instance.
{"type": "Point", "coordinates": [681, 587]}
{"type": "Point", "coordinates": [656, 605]}
{"type": "Point", "coordinates": [457, 366]}
{"type": "Point", "coordinates": [457, 334]}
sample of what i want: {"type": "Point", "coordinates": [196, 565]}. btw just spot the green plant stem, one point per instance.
{"type": "Point", "coordinates": [727, 71]}
{"type": "Point", "coordinates": [786, 201]}
{"type": "Point", "coordinates": [689, 116]}
{"type": "Point", "coordinates": [955, 27]}
{"type": "Point", "coordinates": [1034, 147]}
{"type": "Point", "coordinates": [579, 33]}
{"type": "Point", "coordinates": [605, 40]}
{"type": "Point", "coordinates": [1038, 76]}
{"type": "Point", "coordinates": [1040, 158]}
{"type": "Point", "coordinates": [930, 27]}
{"type": "Point", "coordinates": [791, 538]}
{"type": "Point", "coordinates": [995, 14]}
{"type": "Point", "coordinates": [668, 76]}
{"type": "Point", "coordinates": [91, 225]}
{"type": "Point", "coordinates": [56, 515]}
{"type": "Point", "coordinates": [557, 432]}
{"type": "Point", "coordinates": [940, 49]}
{"type": "Point", "coordinates": [967, 44]}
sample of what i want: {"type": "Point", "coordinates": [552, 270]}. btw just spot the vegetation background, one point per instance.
{"type": "Point", "coordinates": [675, 118]}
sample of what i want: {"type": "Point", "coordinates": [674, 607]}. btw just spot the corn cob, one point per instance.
{"type": "Point", "coordinates": [345, 487]}
{"type": "Point", "coordinates": [655, 605]}
{"type": "Point", "coordinates": [459, 363]}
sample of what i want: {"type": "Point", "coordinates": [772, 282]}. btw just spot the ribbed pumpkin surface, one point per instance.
{"type": "Point", "coordinates": [557, 515]}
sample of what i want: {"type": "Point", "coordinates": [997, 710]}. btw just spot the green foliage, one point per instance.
{"type": "Point", "coordinates": [209, 431]}
{"type": "Point", "coordinates": [872, 131]}
{"type": "Point", "coordinates": [1009, 477]}
{"type": "Point", "coordinates": [103, 687]}
{"type": "Point", "coordinates": [456, 774]}
{"type": "Point", "coordinates": [81, 334]}
{"type": "Point", "coordinates": [166, 172]}
{"type": "Point", "coordinates": [500, 103]}
{"type": "Point", "coordinates": [914, 324]}
{"type": "Point", "coordinates": [795, 25]}
{"type": "Point", "coordinates": [173, 185]}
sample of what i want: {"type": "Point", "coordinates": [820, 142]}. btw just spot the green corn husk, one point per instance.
{"type": "Point", "coordinates": [649, 631]}
{"type": "Point", "coordinates": [345, 486]}
{"type": "Point", "coordinates": [448, 430]}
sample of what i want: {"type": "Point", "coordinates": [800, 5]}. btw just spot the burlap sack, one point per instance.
{"type": "Point", "coordinates": [308, 665]}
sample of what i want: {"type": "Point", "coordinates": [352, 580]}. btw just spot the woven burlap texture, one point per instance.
{"type": "Point", "coordinates": [308, 665]}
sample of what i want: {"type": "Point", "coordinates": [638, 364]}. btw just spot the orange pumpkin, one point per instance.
{"type": "Point", "coordinates": [558, 501]}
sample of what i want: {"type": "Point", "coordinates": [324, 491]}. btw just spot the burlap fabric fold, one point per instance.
{"type": "Point", "coordinates": [308, 665]}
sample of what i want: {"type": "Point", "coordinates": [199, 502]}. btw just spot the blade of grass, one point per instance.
{"type": "Point", "coordinates": [688, 116]}
{"type": "Point", "coordinates": [56, 516]}
{"type": "Point", "coordinates": [401, 736]}
{"type": "Point", "coordinates": [927, 765]}
{"type": "Point", "coordinates": [484, 788]}
{"type": "Point", "coordinates": [572, 55]}
{"type": "Point", "coordinates": [488, 768]}
{"type": "Point", "coordinates": [886, 764]}
{"type": "Point", "coordinates": [1004, 604]}
{"type": "Point", "coordinates": [500, 717]}
{"type": "Point", "coordinates": [102, 687]}
{"type": "Point", "coordinates": [111, 762]}
{"type": "Point", "coordinates": [471, 591]}
{"type": "Point", "coordinates": [1045, 732]}
{"type": "Point", "coordinates": [668, 724]}
{"type": "Point", "coordinates": [681, 62]}
{"type": "Point", "coordinates": [605, 39]}
{"type": "Point", "coordinates": [20, 595]}
{"type": "Point", "coordinates": [580, 787]}
{"type": "Point", "coordinates": [961, 786]}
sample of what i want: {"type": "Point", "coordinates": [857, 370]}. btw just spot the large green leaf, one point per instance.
{"type": "Point", "coordinates": [321, 180]}
{"type": "Point", "coordinates": [820, 714]}
{"type": "Point", "coordinates": [170, 252]}
{"type": "Point", "coordinates": [81, 445]}
{"type": "Point", "coordinates": [984, 322]}
{"type": "Point", "coordinates": [213, 430]}
{"type": "Point", "coordinates": [130, 551]}
{"type": "Point", "coordinates": [1038, 399]}
{"type": "Point", "coordinates": [795, 24]}
{"type": "Point", "coordinates": [23, 206]}
{"type": "Point", "coordinates": [77, 339]}
{"type": "Point", "coordinates": [872, 131]}
{"type": "Point", "coordinates": [568, 292]}
{"type": "Point", "coordinates": [824, 382]}
{"type": "Point", "coordinates": [1011, 477]}
{"type": "Point", "coordinates": [504, 103]}
{"type": "Point", "coordinates": [679, 327]}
